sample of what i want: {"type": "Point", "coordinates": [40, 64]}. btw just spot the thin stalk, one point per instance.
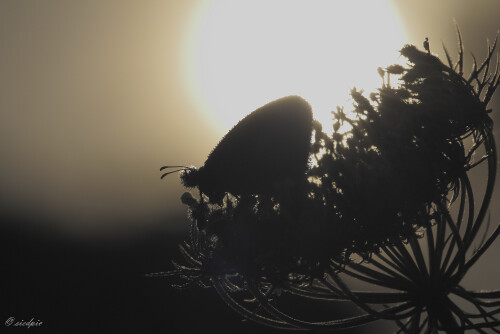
{"type": "Point", "coordinates": [326, 325]}
{"type": "Point", "coordinates": [399, 264]}
{"type": "Point", "coordinates": [244, 312]}
{"type": "Point", "coordinates": [380, 314]}
{"type": "Point", "coordinates": [376, 277]}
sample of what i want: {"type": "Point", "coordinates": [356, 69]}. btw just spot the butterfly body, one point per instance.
{"type": "Point", "coordinates": [266, 149]}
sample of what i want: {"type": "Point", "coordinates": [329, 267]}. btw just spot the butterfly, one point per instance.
{"type": "Point", "coordinates": [264, 150]}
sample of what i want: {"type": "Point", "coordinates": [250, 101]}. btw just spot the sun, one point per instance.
{"type": "Point", "coordinates": [242, 54]}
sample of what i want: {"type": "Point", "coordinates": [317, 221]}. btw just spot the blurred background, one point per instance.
{"type": "Point", "coordinates": [96, 96]}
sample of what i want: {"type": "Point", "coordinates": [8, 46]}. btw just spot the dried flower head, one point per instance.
{"type": "Point", "coordinates": [372, 199]}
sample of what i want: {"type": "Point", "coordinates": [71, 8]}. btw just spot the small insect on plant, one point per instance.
{"type": "Point", "coordinates": [266, 151]}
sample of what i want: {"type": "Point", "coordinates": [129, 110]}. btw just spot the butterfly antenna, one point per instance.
{"type": "Point", "coordinates": [165, 167]}
{"type": "Point", "coordinates": [174, 171]}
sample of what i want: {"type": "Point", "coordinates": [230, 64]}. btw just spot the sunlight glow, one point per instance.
{"type": "Point", "coordinates": [243, 54]}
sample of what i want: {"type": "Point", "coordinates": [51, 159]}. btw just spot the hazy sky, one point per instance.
{"type": "Point", "coordinates": [95, 96]}
{"type": "Point", "coordinates": [92, 103]}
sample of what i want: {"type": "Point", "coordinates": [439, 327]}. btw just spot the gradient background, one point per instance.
{"type": "Point", "coordinates": [94, 98]}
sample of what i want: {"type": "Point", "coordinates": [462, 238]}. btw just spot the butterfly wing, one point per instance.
{"type": "Point", "coordinates": [269, 145]}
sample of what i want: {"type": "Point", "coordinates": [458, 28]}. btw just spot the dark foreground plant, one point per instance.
{"type": "Point", "coordinates": [388, 202]}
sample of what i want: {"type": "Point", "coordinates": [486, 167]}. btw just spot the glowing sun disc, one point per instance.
{"type": "Point", "coordinates": [243, 54]}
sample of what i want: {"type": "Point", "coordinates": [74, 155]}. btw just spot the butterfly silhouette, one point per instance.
{"type": "Point", "coordinates": [266, 149]}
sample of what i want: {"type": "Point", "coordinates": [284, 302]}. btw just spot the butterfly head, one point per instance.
{"type": "Point", "coordinates": [191, 177]}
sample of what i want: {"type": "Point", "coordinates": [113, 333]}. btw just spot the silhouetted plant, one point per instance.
{"type": "Point", "coordinates": [388, 202]}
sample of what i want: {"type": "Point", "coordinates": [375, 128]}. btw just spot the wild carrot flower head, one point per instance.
{"type": "Point", "coordinates": [370, 193]}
